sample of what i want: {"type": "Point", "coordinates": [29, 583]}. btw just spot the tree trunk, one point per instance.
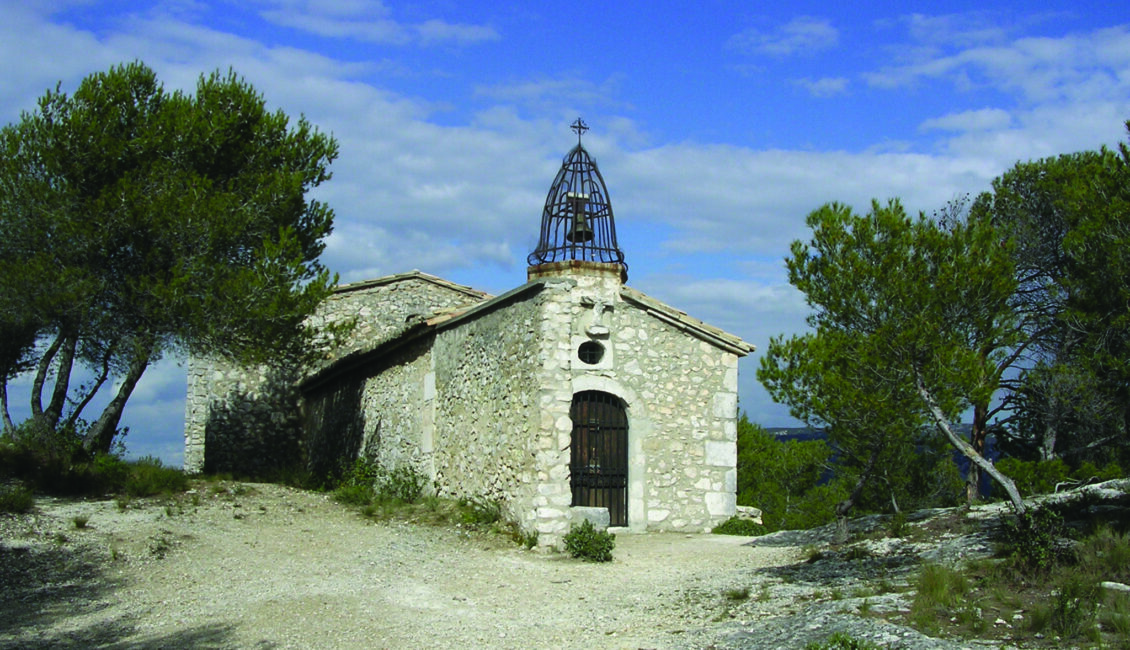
{"type": "Point", "coordinates": [102, 376]}
{"type": "Point", "coordinates": [977, 437]}
{"type": "Point", "coordinates": [41, 377]}
{"type": "Point", "coordinates": [101, 435]}
{"type": "Point", "coordinates": [62, 381]}
{"type": "Point", "coordinates": [9, 428]}
{"type": "Point", "coordinates": [967, 450]}
{"type": "Point", "coordinates": [844, 506]}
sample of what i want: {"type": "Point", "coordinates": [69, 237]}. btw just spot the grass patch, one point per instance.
{"type": "Point", "coordinates": [841, 641]}
{"type": "Point", "coordinates": [736, 594]}
{"type": "Point", "coordinates": [1044, 587]}
{"type": "Point", "coordinates": [401, 494]}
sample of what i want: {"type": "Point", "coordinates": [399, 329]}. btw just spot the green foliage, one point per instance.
{"type": "Point", "coordinates": [1069, 217]}
{"type": "Point", "coordinates": [57, 462]}
{"type": "Point", "coordinates": [1072, 611]}
{"type": "Point", "coordinates": [403, 483]}
{"type": "Point", "coordinates": [134, 222]}
{"type": "Point", "coordinates": [354, 495]}
{"type": "Point", "coordinates": [841, 641]}
{"type": "Point", "coordinates": [782, 479]}
{"type": "Point", "coordinates": [736, 594]}
{"type": "Point", "coordinates": [1045, 476]}
{"type": "Point", "coordinates": [366, 482]}
{"type": "Point", "coordinates": [480, 512]}
{"type": "Point", "coordinates": [16, 499]}
{"type": "Point", "coordinates": [1035, 477]}
{"type": "Point", "coordinates": [1057, 593]}
{"type": "Point", "coordinates": [1033, 539]}
{"type": "Point", "coordinates": [1105, 554]}
{"type": "Point", "coordinates": [147, 476]}
{"type": "Point", "coordinates": [587, 543]}
{"type": "Point", "coordinates": [911, 324]}
{"type": "Point", "coordinates": [739, 526]}
{"type": "Point", "coordinates": [897, 526]}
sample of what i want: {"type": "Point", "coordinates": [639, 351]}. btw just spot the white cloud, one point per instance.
{"type": "Point", "coordinates": [984, 119]}
{"type": "Point", "coordinates": [546, 94]}
{"type": "Point", "coordinates": [801, 35]}
{"type": "Point", "coordinates": [368, 21]}
{"type": "Point", "coordinates": [1070, 68]}
{"type": "Point", "coordinates": [824, 87]}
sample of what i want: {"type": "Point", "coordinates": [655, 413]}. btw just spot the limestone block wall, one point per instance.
{"type": "Point", "coordinates": [240, 419]}
{"type": "Point", "coordinates": [380, 309]}
{"type": "Point", "coordinates": [689, 390]}
{"type": "Point", "coordinates": [681, 396]}
{"type": "Point", "coordinates": [396, 405]}
{"type": "Point", "coordinates": [232, 411]}
{"type": "Point", "coordinates": [485, 427]}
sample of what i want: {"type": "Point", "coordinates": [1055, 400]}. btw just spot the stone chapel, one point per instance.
{"type": "Point", "coordinates": [571, 396]}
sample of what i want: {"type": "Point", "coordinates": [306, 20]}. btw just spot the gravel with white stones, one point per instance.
{"type": "Point", "coordinates": [265, 566]}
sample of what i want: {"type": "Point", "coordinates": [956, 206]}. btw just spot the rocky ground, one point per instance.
{"type": "Point", "coordinates": [236, 565]}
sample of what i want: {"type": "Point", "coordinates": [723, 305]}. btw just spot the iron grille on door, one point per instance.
{"type": "Point", "coordinates": [599, 463]}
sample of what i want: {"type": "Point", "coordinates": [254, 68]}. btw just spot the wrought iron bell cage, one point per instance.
{"type": "Point", "coordinates": [577, 222]}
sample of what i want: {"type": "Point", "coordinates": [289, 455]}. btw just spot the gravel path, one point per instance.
{"type": "Point", "coordinates": [265, 566]}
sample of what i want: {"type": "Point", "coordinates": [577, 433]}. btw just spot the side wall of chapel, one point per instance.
{"type": "Point", "coordinates": [248, 419]}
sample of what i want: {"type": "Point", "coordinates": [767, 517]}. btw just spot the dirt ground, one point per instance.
{"type": "Point", "coordinates": [265, 566]}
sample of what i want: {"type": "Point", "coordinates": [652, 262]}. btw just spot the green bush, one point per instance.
{"type": "Point", "coordinates": [587, 543]}
{"type": "Point", "coordinates": [354, 495]}
{"type": "Point", "coordinates": [403, 483]}
{"type": "Point", "coordinates": [149, 477]}
{"type": "Point", "coordinates": [1035, 477]}
{"type": "Point", "coordinates": [15, 499]}
{"type": "Point", "coordinates": [782, 478]}
{"type": "Point", "coordinates": [366, 482]}
{"type": "Point", "coordinates": [898, 526]}
{"type": "Point", "coordinates": [1032, 540]}
{"type": "Point", "coordinates": [1042, 476]}
{"type": "Point", "coordinates": [739, 526]}
{"type": "Point", "coordinates": [1072, 611]}
{"type": "Point", "coordinates": [841, 641]}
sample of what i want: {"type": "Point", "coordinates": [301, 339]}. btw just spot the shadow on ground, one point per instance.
{"type": "Point", "coordinates": [61, 588]}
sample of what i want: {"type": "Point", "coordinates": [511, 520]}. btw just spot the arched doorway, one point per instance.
{"type": "Point", "coordinates": [599, 456]}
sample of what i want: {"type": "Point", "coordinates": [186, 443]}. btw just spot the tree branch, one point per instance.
{"type": "Point", "coordinates": [966, 449]}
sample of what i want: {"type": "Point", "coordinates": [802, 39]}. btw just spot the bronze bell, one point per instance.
{"type": "Point", "coordinates": [580, 232]}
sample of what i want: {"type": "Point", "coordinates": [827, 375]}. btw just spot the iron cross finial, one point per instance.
{"type": "Point", "coordinates": [579, 127]}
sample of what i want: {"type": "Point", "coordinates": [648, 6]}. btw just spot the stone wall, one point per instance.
{"type": "Point", "coordinates": [240, 419]}
{"type": "Point", "coordinates": [380, 309]}
{"type": "Point", "coordinates": [395, 412]}
{"type": "Point", "coordinates": [485, 369]}
{"type": "Point", "coordinates": [681, 394]}
{"type": "Point", "coordinates": [234, 413]}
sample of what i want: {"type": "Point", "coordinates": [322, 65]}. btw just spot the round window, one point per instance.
{"type": "Point", "coordinates": [590, 352]}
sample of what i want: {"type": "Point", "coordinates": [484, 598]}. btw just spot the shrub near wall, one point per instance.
{"type": "Point", "coordinates": [587, 543]}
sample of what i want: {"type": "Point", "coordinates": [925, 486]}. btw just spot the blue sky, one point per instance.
{"type": "Point", "coordinates": [718, 126]}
